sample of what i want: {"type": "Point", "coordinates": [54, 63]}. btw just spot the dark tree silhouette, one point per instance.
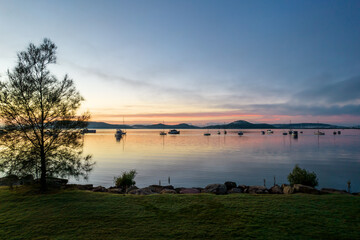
{"type": "Point", "coordinates": [42, 133]}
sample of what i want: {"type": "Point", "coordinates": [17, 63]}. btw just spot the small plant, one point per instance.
{"type": "Point", "coordinates": [126, 180]}
{"type": "Point", "coordinates": [301, 176]}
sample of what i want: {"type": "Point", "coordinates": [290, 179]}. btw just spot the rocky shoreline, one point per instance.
{"type": "Point", "coordinates": [217, 188]}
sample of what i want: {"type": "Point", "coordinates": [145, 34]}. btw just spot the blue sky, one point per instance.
{"type": "Point", "coordinates": [199, 61]}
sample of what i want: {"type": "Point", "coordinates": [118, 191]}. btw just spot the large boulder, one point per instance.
{"type": "Point", "coordinates": [142, 191]}
{"type": "Point", "coordinates": [158, 188]}
{"type": "Point", "coordinates": [235, 190]}
{"type": "Point", "coordinates": [99, 189]}
{"type": "Point", "coordinates": [168, 191]}
{"type": "Point", "coordinates": [332, 190]}
{"type": "Point", "coordinates": [244, 188]}
{"type": "Point", "coordinates": [275, 190]}
{"type": "Point", "coordinates": [27, 180]}
{"type": "Point", "coordinates": [9, 180]}
{"type": "Point", "coordinates": [299, 188]}
{"type": "Point", "coordinates": [80, 186]}
{"type": "Point", "coordinates": [189, 191]}
{"type": "Point", "coordinates": [287, 189]}
{"type": "Point", "coordinates": [258, 189]}
{"type": "Point", "coordinates": [131, 188]}
{"type": "Point", "coordinates": [215, 188]}
{"type": "Point", "coordinates": [116, 190]}
{"type": "Point", "coordinates": [230, 185]}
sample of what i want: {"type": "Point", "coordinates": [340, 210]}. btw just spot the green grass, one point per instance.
{"type": "Point", "coordinates": [85, 215]}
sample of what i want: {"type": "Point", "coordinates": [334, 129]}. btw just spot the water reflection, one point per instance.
{"type": "Point", "coordinates": [191, 159]}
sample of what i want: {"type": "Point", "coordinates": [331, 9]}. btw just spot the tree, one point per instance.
{"type": "Point", "coordinates": [126, 180]}
{"type": "Point", "coordinates": [301, 176]}
{"type": "Point", "coordinates": [42, 133]}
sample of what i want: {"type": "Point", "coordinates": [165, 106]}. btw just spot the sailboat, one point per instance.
{"type": "Point", "coordinates": [318, 131]}
{"type": "Point", "coordinates": [163, 131]}
{"type": "Point", "coordinates": [119, 132]}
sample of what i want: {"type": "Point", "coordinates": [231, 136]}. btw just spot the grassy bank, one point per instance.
{"type": "Point", "coordinates": [87, 215]}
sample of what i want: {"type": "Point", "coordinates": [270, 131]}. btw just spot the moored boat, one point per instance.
{"type": "Point", "coordinates": [174, 131]}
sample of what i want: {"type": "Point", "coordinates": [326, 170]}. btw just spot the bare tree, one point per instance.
{"type": "Point", "coordinates": [42, 133]}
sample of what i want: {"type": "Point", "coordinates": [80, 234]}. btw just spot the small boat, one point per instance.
{"type": "Point", "coordinates": [207, 134]}
{"type": "Point", "coordinates": [269, 131]}
{"type": "Point", "coordinates": [284, 133]}
{"type": "Point", "coordinates": [295, 134]}
{"type": "Point", "coordinates": [219, 132]}
{"type": "Point", "coordinates": [88, 131]}
{"type": "Point", "coordinates": [339, 132]}
{"type": "Point", "coordinates": [119, 133]}
{"type": "Point", "coordinates": [174, 131]}
{"type": "Point", "coordinates": [263, 132]}
{"type": "Point", "coordinates": [334, 132]}
{"type": "Point", "coordinates": [240, 133]}
{"type": "Point", "coordinates": [301, 132]}
{"type": "Point", "coordinates": [319, 133]}
{"type": "Point", "coordinates": [225, 132]}
{"type": "Point", "coordinates": [163, 133]}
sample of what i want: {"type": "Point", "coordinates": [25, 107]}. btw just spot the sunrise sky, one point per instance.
{"type": "Point", "coordinates": [199, 62]}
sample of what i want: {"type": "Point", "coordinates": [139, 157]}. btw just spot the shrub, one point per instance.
{"type": "Point", "coordinates": [126, 180]}
{"type": "Point", "coordinates": [301, 176]}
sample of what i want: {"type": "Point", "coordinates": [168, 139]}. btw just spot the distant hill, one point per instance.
{"type": "Point", "coordinates": [102, 125]}
{"type": "Point", "coordinates": [241, 124]}
{"type": "Point", "coordinates": [164, 126]}
{"type": "Point", "coordinates": [307, 125]}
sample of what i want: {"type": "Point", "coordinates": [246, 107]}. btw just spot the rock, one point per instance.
{"type": "Point", "coordinates": [168, 191]}
{"type": "Point", "coordinates": [27, 180]}
{"type": "Point", "coordinates": [189, 191]}
{"type": "Point", "coordinates": [158, 188]}
{"type": "Point", "coordinates": [99, 189]}
{"type": "Point", "coordinates": [116, 190]}
{"type": "Point", "coordinates": [275, 190]}
{"type": "Point", "coordinates": [142, 191]}
{"type": "Point", "coordinates": [215, 188]}
{"type": "Point", "coordinates": [244, 188]}
{"type": "Point", "coordinates": [230, 185]}
{"type": "Point", "coordinates": [258, 189]}
{"type": "Point", "coordinates": [299, 188]}
{"type": "Point", "coordinates": [287, 189]}
{"type": "Point", "coordinates": [332, 190]}
{"type": "Point", "coordinates": [235, 190]}
{"type": "Point", "coordinates": [131, 188]}
{"type": "Point", "coordinates": [9, 180]}
{"type": "Point", "coordinates": [80, 186]}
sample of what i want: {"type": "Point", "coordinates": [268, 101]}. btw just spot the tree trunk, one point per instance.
{"type": "Point", "coordinates": [43, 172]}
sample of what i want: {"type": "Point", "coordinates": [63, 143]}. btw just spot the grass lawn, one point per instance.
{"type": "Point", "coordinates": [86, 215]}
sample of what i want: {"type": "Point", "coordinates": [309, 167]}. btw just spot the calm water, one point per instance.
{"type": "Point", "coordinates": [191, 159]}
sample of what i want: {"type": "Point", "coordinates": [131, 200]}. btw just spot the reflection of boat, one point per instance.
{"type": "Point", "coordinates": [240, 133]}
{"type": "Point", "coordinates": [119, 133]}
{"type": "Point", "coordinates": [174, 131]}
{"type": "Point", "coordinates": [319, 133]}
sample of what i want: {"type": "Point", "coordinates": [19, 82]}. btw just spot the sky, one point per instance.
{"type": "Point", "coordinates": [198, 62]}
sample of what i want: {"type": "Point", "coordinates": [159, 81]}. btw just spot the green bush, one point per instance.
{"type": "Point", "coordinates": [126, 180]}
{"type": "Point", "coordinates": [301, 176]}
